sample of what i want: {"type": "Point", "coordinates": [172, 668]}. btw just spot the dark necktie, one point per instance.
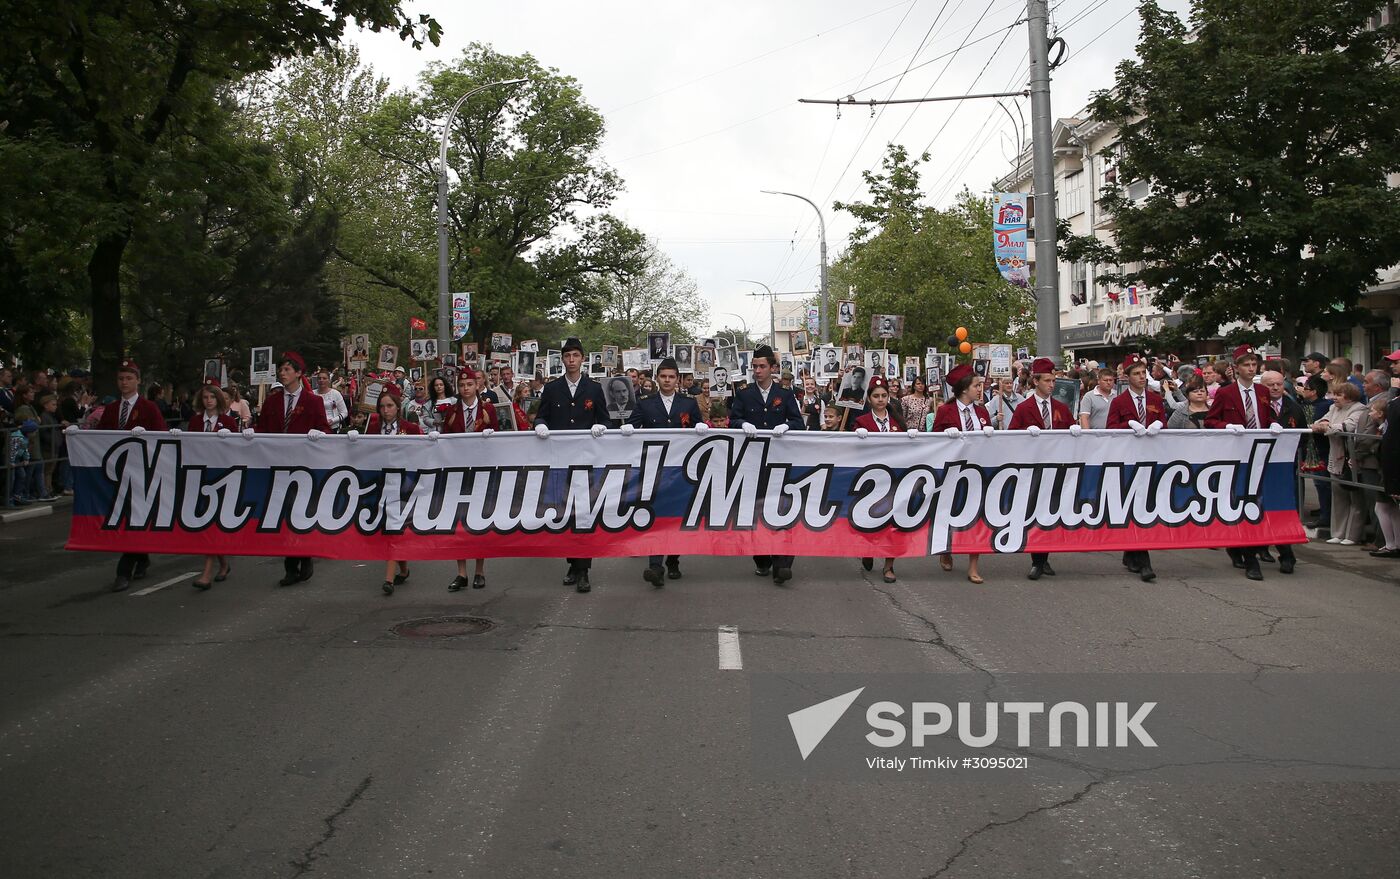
{"type": "Point", "coordinates": [126, 413]}
{"type": "Point", "coordinates": [1142, 409]}
{"type": "Point", "coordinates": [967, 419]}
{"type": "Point", "coordinates": [287, 414]}
{"type": "Point", "coordinates": [1045, 414]}
{"type": "Point", "coordinates": [1251, 420]}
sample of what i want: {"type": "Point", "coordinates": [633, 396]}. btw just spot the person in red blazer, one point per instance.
{"type": "Point", "coordinates": [1032, 413]}
{"type": "Point", "coordinates": [293, 408]}
{"type": "Point", "coordinates": [387, 421]}
{"type": "Point", "coordinates": [211, 414]}
{"type": "Point", "coordinates": [1243, 402]}
{"type": "Point", "coordinates": [472, 412]}
{"type": "Point", "coordinates": [965, 412]}
{"type": "Point", "coordinates": [1141, 404]}
{"type": "Point", "coordinates": [130, 410]}
{"type": "Point", "coordinates": [879, 420]}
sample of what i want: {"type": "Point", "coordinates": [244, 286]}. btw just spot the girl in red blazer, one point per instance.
{"type": "Point", "coordinates": [387, 421]}
{"type": "Point", "coordinates": [211, 413]}
{"type": "Point", "coordinates": [965, 413]}
{"type": "Point", "coordinates": [880, 419]}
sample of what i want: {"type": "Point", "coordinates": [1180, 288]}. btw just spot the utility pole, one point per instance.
{"type": "Point", "coordinates": [1047, 269]}
{"type": "Point", "coordinates": [821, 227]}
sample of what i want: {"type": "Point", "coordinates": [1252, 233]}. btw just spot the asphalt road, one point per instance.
{"type": "Point", "coordinates": [255, 731]}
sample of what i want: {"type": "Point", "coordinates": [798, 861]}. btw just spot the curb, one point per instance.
{"type": "Point", "coordinates": [19, 514]}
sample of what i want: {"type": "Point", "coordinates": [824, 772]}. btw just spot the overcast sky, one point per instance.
{"type": "Point", "coordinates": [700, 101]}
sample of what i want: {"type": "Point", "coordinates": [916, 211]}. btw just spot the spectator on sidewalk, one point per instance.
{"type": "Point", "coordinates": [1341, 421]}
{"type": "Point", "coordinates": [21, 494]}
{"type": "Point", "coordinates": [7, 390]}
{"type": "Point", "coordinates": [51, 445]}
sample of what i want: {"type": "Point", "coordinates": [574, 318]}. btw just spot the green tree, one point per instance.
{"type": "Point", "coordinates": [934, 266]}
{"type": "Point", "coordinates": [1267, 131]}
{"type": "Point", "coordinates": [658, 298]}
{"type": "Point", "coordinates": [94, 90]}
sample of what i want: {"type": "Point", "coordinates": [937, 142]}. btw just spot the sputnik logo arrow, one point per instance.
{"type": "Point", "coordinates": [811, 724]}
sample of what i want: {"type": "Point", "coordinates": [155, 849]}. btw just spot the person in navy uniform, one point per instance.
{"type": "Point", "coordinates": [129, 411]}
{"type": "Point", "coordinates": [766, 405]}
{"type": "Point", "coordinates": [1141, 404]}
{"type": "Point", "coordinates": [666, 408]}
{"type": "Point", "coordinates": [292, 407]}
{"type": "Point", "coordinates": [573, 402]}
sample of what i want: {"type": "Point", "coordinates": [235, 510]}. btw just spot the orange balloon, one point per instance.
{"type": "Point", "coordinates": [961, 333]}
{"type": "Point", "coordinates": [965, 347]}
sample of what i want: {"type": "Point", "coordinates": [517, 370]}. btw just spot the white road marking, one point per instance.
{"type": "Point", "coordinates": [729, 658]}
{"type": "Point", "coordinates": [159, 586]}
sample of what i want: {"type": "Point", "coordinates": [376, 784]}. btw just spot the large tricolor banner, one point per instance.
{"type": "Point", "coordinates": [719, 492]}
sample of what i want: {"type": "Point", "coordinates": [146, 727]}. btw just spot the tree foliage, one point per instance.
{"type": "Point", "coordinates": [934, 266]}
{"type": "Point", "coordinates": [1267, 131]}
{"type": "Point", "coordinates": [658, 298]}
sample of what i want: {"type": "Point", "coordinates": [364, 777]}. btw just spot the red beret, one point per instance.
{"type": "Point", "coordinates": [1244, 350]}
{"type": "Point", "coordinates": [129, 365]}
{"type": "Point", "coordinates": [467, 372]}
{"type": "Point", "coordinates": [878, 381]}
{"type": "Point", "coordinates": [392, 390]}
{"type": "Point", "coordinates": [959, 372]}
{"type": "Point", "coordinates": [294, 359]}
{"type": "Point", "coordinates": [1132, 360]}
{"type": "Point", "coordinates": [1042, 366]}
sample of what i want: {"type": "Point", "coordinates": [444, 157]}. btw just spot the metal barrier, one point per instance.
{"type": "Point", "coordinates": [7, 468]}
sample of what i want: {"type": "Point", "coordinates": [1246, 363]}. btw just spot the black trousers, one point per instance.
{"type": "Point", "coordinates": [126, 565]}
{"type": "Point", "coordinates": [655, 561]}
{"type": "Point", "coordinates": [774, 561]}
{"type": "Point", "coordinates": [579, 564]}
{"type": "Point", "coordinates": [1039, 558]}
{"type": "Point", "coordinates": [295, 564]}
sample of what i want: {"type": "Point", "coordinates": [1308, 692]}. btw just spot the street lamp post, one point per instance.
{"type": "Point", "coordinates": [743, 323]}
{"type": "Point", "coordinates": [821, 224]}
{"type": "Point", "coordinates": [444, 321]}
{"type": "Point", "coordinates": [772, 320]}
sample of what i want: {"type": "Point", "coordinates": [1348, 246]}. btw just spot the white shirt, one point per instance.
{"type": "Point", "coordinates": [211, 423]}
{"type": "Point", "coordinates": [1042, 405]}
{"type": "Point", "coordinates": [289, 399]}
{"type": "Point", "coordinates": [764, 391]}
{"type": "Point", "coordinates": [336, 411]}
{"type": "Point", "coordinates": [469, 414]}
{"type": "Point", "coordinates": [1251, 402]}
{"type": "Point", "coordinates": [882, 424]}
{"type": "Point", "coordinates": [667, 401]}
{"type": "Point", "coordinates": [573, 385]}
{"type": "Point", "coordinates": [966, 411]}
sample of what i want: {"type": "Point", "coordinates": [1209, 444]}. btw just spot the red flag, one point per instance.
{"type": "Point", "coordinates": [416, 323]}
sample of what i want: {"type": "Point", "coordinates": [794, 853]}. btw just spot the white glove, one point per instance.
{"type": "Point", "coordinates": [952, 431]}
{"type": "Point", "coordinates": [627, 429]}
{"type": "Point", "coordinates": [175, 431]}
{"type": "Point", "coordinates": [1033, 430]}
{"type": "Point", "coordinates": [1075, 429]}
{"type": "Point", "coordinates": [352, 435]}
{"type": "Point", "coordinates": [1275, 428]}
{"type": "Point", "coordinates": [750, 429]}
{"type": "Point", "coordinates": [433, 435]}
{"type": "Point", "coordinates": [597, 430]}
{"type": "Point", "coordinates": [988, 429]}
{"type": "Point", "coordinates": [138, 429]}
{"type": "Point", "coordinates": [1235, 428]}
{"type": "Point", "coordinates": [780, 430]}
{"type": "Point", "coordinates": [248, 433]}
{"type": "Point", "coordinates": [224, 431]}
{"type": "Point", "coordinates": [542, 431]}
{"type": "Point", "coordinates": [701, 427]}
{"type": "Point", "coordinates": [1137, 427]}
{"type": "Point", "coordinates": [913, 432]}
{"type": "Point", "coordinates": [72, 428]}
{"type": "Point", "coordinates": [862, 432]}
{"type": "Point", "coordinates": [314, 434]}
{"type": "Point", "coordinates": [1154, 428]}
{"type": "Point", "coordinates": [487, 431]}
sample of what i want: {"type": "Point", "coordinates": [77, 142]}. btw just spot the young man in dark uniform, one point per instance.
{"type": "Point", "coordinates": [573, 402]}
{"type": "Point", "coordinates": [766, 405]}
{"type": "Point", "coordinates": [667, 408]}
{"type": "Point", "coordinates": [291, 407]}
{"type": "Point", "coordinates": [1141, 404]}
{"type": "Point", "coordinates": [1041, 410]}
{"type": "Point", "coordinates": [131, 410]}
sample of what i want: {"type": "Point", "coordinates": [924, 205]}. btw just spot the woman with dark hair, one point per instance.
{"type": "Point", "coordinates": [1192, 416]}
{"type": "Point", "coordinates": [210, 416]}
{"type": "Point", "coordinates": [916, 403]}
{"type": "Point", "coordinates": [439, 394]}
{"type": "Point", "coordinates": [879, 419]}
{"type": "Point", "coordinates": [387, 421]}
{"type": "Point", "coordinates": [965, 413]}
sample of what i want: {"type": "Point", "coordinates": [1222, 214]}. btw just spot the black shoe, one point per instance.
{"type": "Point", "coordinates": [120, 584]}
{"type": "Point", "coordinates": [1036, 572]}
{"type": "Point", "coordinates": [290, 580]}
{"type": "Point", "coordinates": [458, 583]}
{"type": "Point", "coordinates": [399, 578]}
{"type": "Point", "coordinates": [673, 570]}
{"type": "Point", "coordinates": [653, 575]}
{"type": "Point", "coordinates": [1049, 571]}
{"type": "Point", "coordinates": [221, 577]}
{"type": "Point", "coordinates": [868, 564]}
{"type": "Point", "coordinates": [388, 587]}
{"type": "Point", "coordinates": [1147, 574]}
{"type": "Point", "coordinates": [140, 572]}
{"type": "Point", "coordinates": [202, 585]}
{"type": "Point", "coordinates": [763, 570]}
{"type": "Point", "coordinates": [583, 584]}
{"type": "Point", "coordinates": [781, 576]}
{"type": "Point", "coordinates": [1285, 566]}
{"type": "Point", "coordinates": [1133, 567]}
{"type": "Point", "coordinates": [1385, 553]}
{"type": "Point", "coordinates": [479, 581]}
{"type": "Point", "coordinates": [1265, 556]}
{"type": "Point", "coordinates": [571, 578]}
{"type": "Point", "coordinates": [308, 567]}
{"type": "Point", "coordinates": [1253, 572]}
{"type": "Point", "coordinates": [1239, 563]}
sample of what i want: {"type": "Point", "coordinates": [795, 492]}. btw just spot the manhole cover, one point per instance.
{"type": "Point", "coordinates": [442, 627]}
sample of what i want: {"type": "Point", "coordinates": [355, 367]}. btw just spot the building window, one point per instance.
{"type": "Point", "coordinates": [1079, 284]}
{"type": "Point", "coordinates": [1074, 194]}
